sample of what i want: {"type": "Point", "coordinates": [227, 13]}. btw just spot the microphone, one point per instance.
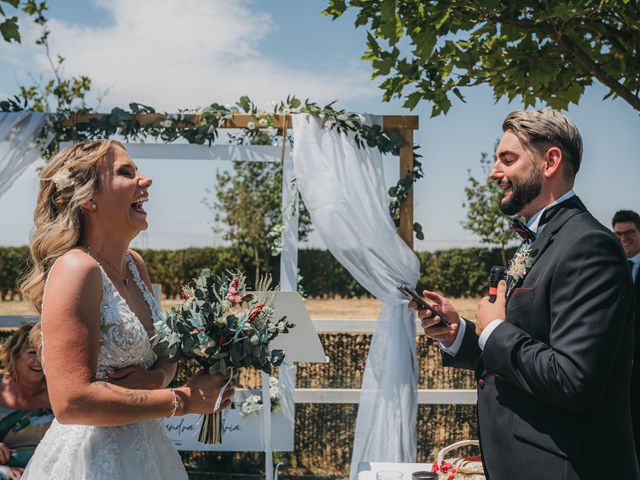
{"type": "Point", "coordinates": [497, 273]}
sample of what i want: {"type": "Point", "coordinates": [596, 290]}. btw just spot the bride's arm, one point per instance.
{"type": "Point", "coordinates": [70, 325]}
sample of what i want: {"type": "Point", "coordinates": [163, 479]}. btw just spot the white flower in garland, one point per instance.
{"type": "Point", "coordinates": [62, 179]}
{"type": "Point", "coordinates": [251, 125]}
{"type": "Point", "coordinates": [520, 264]}
{"type": "Point", "coordinates": [329, 123]}
{"type": "Point", "coordinates": [263, 122]}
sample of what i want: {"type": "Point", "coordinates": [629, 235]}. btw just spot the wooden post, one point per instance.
{"type": "Point", "coordinates": [406, 208]}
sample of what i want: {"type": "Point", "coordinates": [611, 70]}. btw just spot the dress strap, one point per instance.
{"type": "Point", "coordinates": [144, 289]}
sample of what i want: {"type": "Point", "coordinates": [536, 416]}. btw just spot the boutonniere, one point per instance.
{"type": "Point", "coordinates": [520, 265]}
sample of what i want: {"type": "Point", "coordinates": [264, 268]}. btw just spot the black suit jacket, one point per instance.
{"type": "Point", "coordinates": [635, 374]}
{"type": "Point", "coordinates": [554, 378]}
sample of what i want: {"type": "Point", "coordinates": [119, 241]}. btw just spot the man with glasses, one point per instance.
{"type": "Point", "coordinates": [626, 226]}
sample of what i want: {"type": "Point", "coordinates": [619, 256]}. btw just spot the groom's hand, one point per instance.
{"type": "Point", "coordinates": [443, 334]}
{"type": "Point", "coordinates": [488, 312]}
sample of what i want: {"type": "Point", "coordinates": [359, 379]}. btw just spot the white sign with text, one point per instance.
{"type": "Point", "coordinates": [239, 434]}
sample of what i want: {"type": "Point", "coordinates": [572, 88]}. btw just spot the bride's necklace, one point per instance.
{"type": "Point", "coordinates": [93, 252]}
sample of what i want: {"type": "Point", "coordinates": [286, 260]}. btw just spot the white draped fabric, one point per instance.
{"type": "Point", "coordinates": [18, 144]}
{"type": "Point", "coordinates": [343, 187]}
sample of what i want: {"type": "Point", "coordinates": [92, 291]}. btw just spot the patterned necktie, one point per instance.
{"type": "Point", "coordinates": [521, 229]}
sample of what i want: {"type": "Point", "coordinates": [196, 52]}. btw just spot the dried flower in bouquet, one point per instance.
{"type": "Point", "coordinates": [223, 327]}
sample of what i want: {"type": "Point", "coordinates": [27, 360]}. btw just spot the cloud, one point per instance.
{"type": "Point", "coordinates": [188, 53]}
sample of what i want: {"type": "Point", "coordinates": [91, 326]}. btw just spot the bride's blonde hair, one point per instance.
{"type": "Point", "coordinates": [67, 182]}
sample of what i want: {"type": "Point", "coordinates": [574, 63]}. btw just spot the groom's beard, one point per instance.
{"type": "Point", "coordinates": [522, 193]}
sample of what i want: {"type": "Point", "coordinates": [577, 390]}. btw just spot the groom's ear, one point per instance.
{"type": "Point", "coordinates": [552, 162]}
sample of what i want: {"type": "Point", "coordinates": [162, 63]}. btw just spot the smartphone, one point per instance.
{"type": "Point", "coordinates": [412, 295]}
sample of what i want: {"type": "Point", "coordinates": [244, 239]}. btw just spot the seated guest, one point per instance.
{"type": "Point", "coordinates": [24, 404]}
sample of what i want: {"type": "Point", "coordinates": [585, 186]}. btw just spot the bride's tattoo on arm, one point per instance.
{"type": "Point", "coordinates": [136, 397]}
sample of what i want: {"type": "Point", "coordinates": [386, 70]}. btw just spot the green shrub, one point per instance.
{"type": "Point", "coordinates": [454, 272]}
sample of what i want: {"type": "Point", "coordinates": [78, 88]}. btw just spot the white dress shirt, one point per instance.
{"type": "Point", "coordinates": [636, 265]}
{"type": "Point", "coordinates": [534, 225]}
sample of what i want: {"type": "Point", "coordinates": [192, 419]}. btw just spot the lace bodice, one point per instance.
{"type": "Point", "coordinates": [124, 342]}
{"type": "Point", "coordinates": [127, 452]}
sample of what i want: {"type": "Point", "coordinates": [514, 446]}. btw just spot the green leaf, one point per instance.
{"type": "Point", "coordinates": [9, 29]}
{"type": "Point", "coordinates": [244, 103]}
{"type": "Point", "coordinates": [412, 100]}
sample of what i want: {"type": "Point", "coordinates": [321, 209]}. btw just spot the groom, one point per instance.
{"type": "Point", "coordinates": [553, 354]}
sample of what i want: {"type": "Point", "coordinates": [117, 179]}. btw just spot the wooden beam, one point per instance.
{"type": "Point", "coordinates": [396, 122]}
{"type": "Point", "coordinates": [239, 120]}
{"type": "Point", "coordinates": [405, 229]}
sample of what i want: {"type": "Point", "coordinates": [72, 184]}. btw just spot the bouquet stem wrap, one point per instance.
{"type": "Point", "coordinates": [212, 424]}
{"type": "Point", "coordinates": [211, 429]}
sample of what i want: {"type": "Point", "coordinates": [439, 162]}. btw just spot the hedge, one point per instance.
{"type": "Point", "coordinates": [455, 272]}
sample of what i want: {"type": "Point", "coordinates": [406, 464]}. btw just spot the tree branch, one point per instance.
{"type": "Point", "coordinates": [598, 72]}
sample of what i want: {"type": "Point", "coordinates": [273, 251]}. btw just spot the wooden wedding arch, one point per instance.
{"type": "Point", "coordinates": [403, 124]}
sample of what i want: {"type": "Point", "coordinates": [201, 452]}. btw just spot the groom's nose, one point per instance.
{"type": "Point", "coordinates": [496, 172]}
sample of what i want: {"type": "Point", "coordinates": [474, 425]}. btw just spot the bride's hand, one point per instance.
{"type": "Point", "coordinates": [5, 453]}
{"type": "Point", "coordinates": [201, 392]}
{"type": "Point", "coordinates": [136, 378]}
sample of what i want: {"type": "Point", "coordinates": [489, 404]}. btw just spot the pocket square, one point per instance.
{"type": "Point", "coordinates": [516, 291]}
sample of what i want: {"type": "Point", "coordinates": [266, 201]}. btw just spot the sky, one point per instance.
{"type": "Point", "coordinates": [188, 53]}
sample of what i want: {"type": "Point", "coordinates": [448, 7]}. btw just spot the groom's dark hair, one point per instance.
{"type": "Point", "coordinates": [626, 216]}
{"type": "Point", "coordinates": [540, 130]}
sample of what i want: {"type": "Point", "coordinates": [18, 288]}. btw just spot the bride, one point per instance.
{"type": "Point", "coordinates": [106, 386]}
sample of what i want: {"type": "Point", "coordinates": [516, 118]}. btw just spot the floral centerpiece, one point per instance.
{"type": "Point", "coordinates": [223, 328]}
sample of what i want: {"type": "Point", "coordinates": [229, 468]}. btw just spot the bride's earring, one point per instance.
{"type": "Point", "coordinates": [93, 206]}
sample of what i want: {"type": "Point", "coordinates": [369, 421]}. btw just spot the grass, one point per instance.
{"type": "Point", "coordinates": [337, 308]}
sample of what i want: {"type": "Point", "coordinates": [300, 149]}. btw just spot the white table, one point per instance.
{"type": "Point", "coordinates": [368, 470]}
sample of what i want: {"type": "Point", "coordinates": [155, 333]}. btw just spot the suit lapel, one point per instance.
{"type": "Point", "coordinates": [566, 210]}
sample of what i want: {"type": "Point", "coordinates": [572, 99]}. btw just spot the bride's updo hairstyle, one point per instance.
{"type": "Point", "coordinates": [67, 182]}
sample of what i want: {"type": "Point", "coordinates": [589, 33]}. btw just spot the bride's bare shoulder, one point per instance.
{"type": "Point", "coordinates": [73, 269]}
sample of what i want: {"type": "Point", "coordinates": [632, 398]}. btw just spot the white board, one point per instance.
{"type": "Point", "coordinates": [240, 434]}
{"type": "Point", "coordinates": [302, 343]}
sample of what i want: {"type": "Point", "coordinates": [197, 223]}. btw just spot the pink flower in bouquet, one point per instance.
{"type": "Point", "coordinates": [184, 296]}
{"type": "Point", "coordinates": [254, 313]}
{"type": "Point", "coordinates": [235, 298]}
{"type": "Point", "coordinates": [232, 295]}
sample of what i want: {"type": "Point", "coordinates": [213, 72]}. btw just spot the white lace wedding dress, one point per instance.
{"type": "Point", "coordinates": [130, 452]}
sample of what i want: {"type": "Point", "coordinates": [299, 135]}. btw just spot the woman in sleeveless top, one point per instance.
{"type": "Point", "coordinates": [25, 415]}
{"type": "Point", "coordinates": [106, 386]}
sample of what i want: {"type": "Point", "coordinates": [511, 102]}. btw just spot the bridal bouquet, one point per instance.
{"type": "Point", "coordinates": [223, 328]}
